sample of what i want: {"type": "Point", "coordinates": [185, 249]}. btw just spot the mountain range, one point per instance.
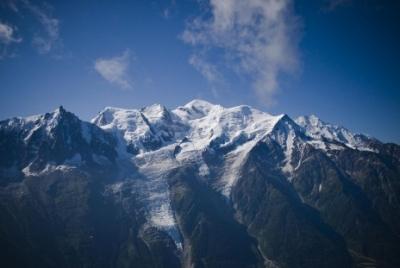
{"type": "Point", "coordinates": [201, 185]}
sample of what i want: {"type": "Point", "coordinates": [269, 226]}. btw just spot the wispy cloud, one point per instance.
{"type": "Point", "coordinates": [331, 5]}
{"type": "Point", "coordinates": [258, 39]}
{"type": "Point", "coordinates": [115, 70]}
{"type": "Point", "coordinates": [11, 4]}
{"type": "Point", "coordinates": [8, 34]}
{"type": "Point", "coordinates": [7, 37]}
{"type": "Point", "coordinates": [45, 40]}
{"type": "Point", "coordinates": [169, 10]}
{"type": "Point", "coordinates": [208, 70]}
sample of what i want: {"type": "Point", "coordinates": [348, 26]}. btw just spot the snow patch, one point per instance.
{"type": "Point", "coordinates": [289, 146]}
{"type": "Point", "coordinates": [322, 132]}
{"type": "Point", "coordinates": [162, 216]}
{"type": "Point", "coordinates": [233, 163]}
{"type": "Point", "coordinates": [100, 159]}
{"type": "Point", "coordinates": [75, 160]}
{"type": "Point", "coordinates": [49, 168]}
{"type": "Point", "coordinates": [204, 170]}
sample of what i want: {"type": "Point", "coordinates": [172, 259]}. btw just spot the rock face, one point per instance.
{"type": "Point", "coordinates": [198, 186]}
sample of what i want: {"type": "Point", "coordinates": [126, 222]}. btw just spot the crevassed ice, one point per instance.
{"type": "Point", "coordinates": [154, 192]}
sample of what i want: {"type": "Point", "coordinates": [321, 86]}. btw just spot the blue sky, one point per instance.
{"type": "Point", "coordinates": [338, 59]}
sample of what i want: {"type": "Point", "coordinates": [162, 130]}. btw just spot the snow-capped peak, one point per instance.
{"type": "Point", "coordinates": [60, 110]}
{"type": "Point", "coordinates": [209, 122]}
{"type": "Point", "coordinates": [155, 112]}
{"type": "Point", "coordinates": [195, 109]}
{"type": "Point", "coordinates": [200, 122]}
{"type": "Point", "coordinates": [139, 130]}
{"type": "Point", "coordinates": [312, 122]}
{"type": "Point", "coordinates": [200, 104]}
{"type": "Point", "coordinates": [155, 141]}
{"type": "Point", "coordinates": [45, 123]}
{"type": "Point", "coordinates": [183, 134]}
{"type": "Point", "coordinates": [320, 130]}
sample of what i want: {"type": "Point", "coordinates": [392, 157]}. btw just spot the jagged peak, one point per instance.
{"type": "Point", "coordinates": [60, 110]}
{"type": "Point", "coordinates": [59, 115]}
{"type": "Point", "coordinates": [199, 103]}
{"type": "Point", "coordinates": [49, 119]}
{"type": "Point", "coordinates": [314, 124]}
{"type": "Point", "coordinates": [284, 118]}
{"type": "Point", "coordinates": [110, 114]}
{"type": "Point", "coordinates": [155, 112]}
{"type": "Point", "coordinates": [195, 109]}
{"type": "Point", "coordinates": [319, 129]}
{"type": "Point", "coordinates": [155, 106]}
{"type": "Point", "coordinates": [286, 123]}
{"type": "Point", "coordinates": [311, 120]}
{"type": "Point", "coordinates": [110, 109]}
{"type": "Point", "coordinates": [131, 119]}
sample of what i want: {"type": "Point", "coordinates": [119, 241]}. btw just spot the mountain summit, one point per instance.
{"type": "Point", "coordinates": [201, 185]}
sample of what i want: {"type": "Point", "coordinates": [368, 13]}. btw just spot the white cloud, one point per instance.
{"type": "Point", "coordinates": [50, 36]}
{"type": "Point", "coordinates": [258, 39]}
{"type": "Point", "coordinates": [208, 70]}
{"type": "Point", "coordinates": [115, 70]}
{"type": "Point", "coordinates": [331, 5]}
{"type": "Point", "coordinates": [7, 37]}
{"type": "Point", "coordinates": [169, 10]}
{"type": "Point", "coordinates": [7, 34]}
{"type": "Point", "coordinates": [46, 38]}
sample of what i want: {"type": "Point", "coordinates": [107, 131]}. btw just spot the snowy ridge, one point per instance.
{"type": "Point", "coordinates": [319, 130]}
{"type": "Point", "coordinates": [233, 163]}
{"type": "Point", "coordinates": [239, 127]}
{"type": "Point", "coordinates": [189, 130]}
{"type": "Point", "coordinates": [153, 141]}
{"type": "Point", "coordinates": [125, 125]}
{"type": "Point", "coordinates": [57, 141]}
{"type": "Point", "coordinates": [29, 125]}
{"type": "Point", "coordinates": [141, 130]}
{"type": "Point", "coordinates": [180, 137]}
{"type": "Point", "coordinates": [291, 139]}
{"type": "Point", "coordinates": [46, 124]}
{"type": "Point", "coordinates": [225, 126]}
{"type": "Point", "coordinates": [69, 164]}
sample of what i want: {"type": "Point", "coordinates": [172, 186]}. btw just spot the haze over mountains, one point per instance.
{"type": "Point", "coordinates": [198, 186]}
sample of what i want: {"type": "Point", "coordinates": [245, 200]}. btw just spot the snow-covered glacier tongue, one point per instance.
{"type": "Point", "coordinates": [146, 140]}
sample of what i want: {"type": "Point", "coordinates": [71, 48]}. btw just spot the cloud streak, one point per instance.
{"type": "Point", "coordinates": [208, 70]}
{"type": "Point", "coordinates": [170, 10]}
{"type": "Point", "coordinates": [7, 37]}
{"type": "Point", "coordinates": [7, 34]}
{"type": "Point", "coordinates": [46, 38]}
{"type": "Point", "coordinates": [258, 39]}
{"type": "Point", "coordinates": [331, 5]}
{"type": "Point", "coordinates": [50, 36]}
{"type": "Point", "coordinates": [115, 70]}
